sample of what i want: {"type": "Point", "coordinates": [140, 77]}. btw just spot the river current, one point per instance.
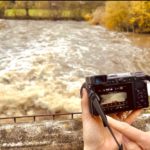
{"type": "Point", "coordinates": [43, 63]}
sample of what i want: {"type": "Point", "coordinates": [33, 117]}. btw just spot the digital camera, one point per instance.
{"type": "Point", "coordinates": [119, 92]}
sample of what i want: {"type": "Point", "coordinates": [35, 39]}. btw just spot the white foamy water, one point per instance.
{"type": "Point", "coordinates": [43, 63]}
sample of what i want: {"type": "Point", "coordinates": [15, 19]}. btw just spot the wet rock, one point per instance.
{"type": "Point", "coordinates": [143, 122]}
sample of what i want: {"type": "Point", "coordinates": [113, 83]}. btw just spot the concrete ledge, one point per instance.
{"type": "Point", "coordinates": [51, 134]}
{"type": "Point", "coordinates": [44, 135]}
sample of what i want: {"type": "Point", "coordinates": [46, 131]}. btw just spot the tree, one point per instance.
{"type": "Point", "coordinates": [3, 6]}
{"type": "Point", "coordinates": [116, 15]}
{"type": "Point", "coordinates": [24, 5]}
{"type": "Point", "coordinates": [42, 4]}
{"type": "Point", "coordinates": [128, 16]}
{"type": "Point", "coordinates": [140, 16]}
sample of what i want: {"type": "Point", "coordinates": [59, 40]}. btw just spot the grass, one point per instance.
{"type": "Point", "coordinates": [66, 13]}
{"type": "Point", "coordinates": [76, 14]}
{"type": "Point", "coordinates": [39, 13]}
{"type": "Point", "coordinates": [15, 13]}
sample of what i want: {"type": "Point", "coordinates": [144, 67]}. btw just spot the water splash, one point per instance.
{"type": "Point", "coordinates": [44, 63]}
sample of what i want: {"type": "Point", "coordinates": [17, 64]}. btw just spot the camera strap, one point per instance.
{"type": "Point", "coordinates": [94, 97]}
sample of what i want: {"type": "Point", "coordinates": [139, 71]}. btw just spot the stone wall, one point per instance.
{"type": "Point", "coordinates": [50, 135]}
{"type": "Point", "coordinates": [47, 135]}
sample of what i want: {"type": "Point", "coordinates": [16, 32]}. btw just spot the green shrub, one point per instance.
{"type": "Point", "coordinates": [39, 13]}
{"type": "Point", "coordinates": [9, 13]}
{"type": "Point", "coordinates": [15, 13]}
{"type": "Point", "coordinates": [66, 14]}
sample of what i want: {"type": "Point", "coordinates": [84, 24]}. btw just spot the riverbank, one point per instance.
{"type": "Point", "coordinates": [128, 16]}
{"type": "Point", "coordinates": [42, 14]}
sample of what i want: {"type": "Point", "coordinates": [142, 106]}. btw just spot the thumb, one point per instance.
{"type": "Point", "coordinates": [85, 103]}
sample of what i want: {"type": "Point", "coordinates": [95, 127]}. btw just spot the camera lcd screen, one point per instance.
{"type": "Point", "coordinates": [113, 97]}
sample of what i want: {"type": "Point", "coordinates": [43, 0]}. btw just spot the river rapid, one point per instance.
{"type": "Point", "coordinates": [43, 63]}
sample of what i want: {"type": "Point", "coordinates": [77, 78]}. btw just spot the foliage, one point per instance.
{"type": "Point", "coordinates": [42, 4]}
{"type": "Point", "coordinates": [66, 14]}
{"type": "Point", "coordinates": [97, 16]}
{"type": "Point", "coordinates": [116, 14]}
{"type": "Point", "coordinates": [140, 16]}
{"type": "Point", "coordinates": [48, 9]}
{"type": "Point", "coordinates": [87, 16]}
{"type": "Point", "coordinates": [45, 13]}
{"type": "Point", "coordinates": [4, 5]}
{"type": "Point", "coordinates": [15, 12]}
{"type": "Point", "coordinates": [128, 16]}
{"type": "Point", "coordinates": [54, 14]}
{"type": "Point", "coordinates": [39, 13]}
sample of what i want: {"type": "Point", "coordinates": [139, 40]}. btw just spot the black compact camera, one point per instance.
{"type": "Point", "coordinates": [118, 92]}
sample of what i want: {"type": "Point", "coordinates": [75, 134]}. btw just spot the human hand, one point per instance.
{"type": "Point", "coordinates": [131, 133]}
{"type": "Point", "coordinates": [97, 137]}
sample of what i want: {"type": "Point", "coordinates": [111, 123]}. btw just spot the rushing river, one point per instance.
{"type": "Point", "coordinates": [44, 63]}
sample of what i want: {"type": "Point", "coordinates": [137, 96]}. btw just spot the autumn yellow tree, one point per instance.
{"type": "Point", "coordinates": [116, 15]}
{"type": "Point", "coordinates": [128, 16]}
{"type": "Point", "coordinates": [140, 16]}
